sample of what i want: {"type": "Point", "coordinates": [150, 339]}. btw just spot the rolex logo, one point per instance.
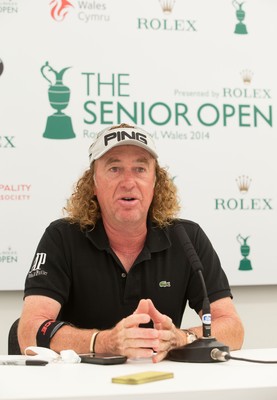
{"type": "Point", "coordinates": [167, 5]}
{"type": "Point", "coordinates": [247, 76]}
{"type": "Point", "coordinates": [243, 183]}
{"type": "Point", "coordinates": [243, 202]}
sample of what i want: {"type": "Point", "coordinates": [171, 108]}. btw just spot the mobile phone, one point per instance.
{"type": "Point", "coordinates": [102, 358]}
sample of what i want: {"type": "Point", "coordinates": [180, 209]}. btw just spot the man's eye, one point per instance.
{"type": "Point", "coordinates": [140, 169]}
{"type": "Point", "coordinates": [114, 169]}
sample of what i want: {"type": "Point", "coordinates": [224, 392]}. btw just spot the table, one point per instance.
{"type": "Point", "coordinates": [192, 381]}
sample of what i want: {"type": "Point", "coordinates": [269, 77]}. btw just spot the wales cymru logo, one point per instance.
{"type": "Point", "coordinates": [59, 9]}
{"type": "Point", "coordinates": [59, 125]}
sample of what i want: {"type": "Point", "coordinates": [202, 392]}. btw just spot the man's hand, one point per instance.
{"type": "Point", "coordinates": [168, 335]}
{"type": "Point", "coordinates": [128, 338]}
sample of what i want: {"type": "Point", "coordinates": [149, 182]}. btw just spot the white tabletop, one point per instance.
{"type": "Point", "coordinates": [223, 380]}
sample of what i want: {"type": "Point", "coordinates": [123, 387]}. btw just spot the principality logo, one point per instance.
{"type": "Point", "coordinates": [15, 192]}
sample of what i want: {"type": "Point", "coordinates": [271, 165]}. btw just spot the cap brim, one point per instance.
{"type": "Point", "coordinates": [128, 143]}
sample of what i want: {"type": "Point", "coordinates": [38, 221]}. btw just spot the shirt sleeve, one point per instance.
{"type": "Point", "coordinates": [49, 274]}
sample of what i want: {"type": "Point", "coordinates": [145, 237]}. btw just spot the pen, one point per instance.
{"type": "Point", "coordinates": [23, 362]}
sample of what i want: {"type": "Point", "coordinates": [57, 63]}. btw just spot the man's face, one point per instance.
{"type": "Point", "coordinates": [124, 184]}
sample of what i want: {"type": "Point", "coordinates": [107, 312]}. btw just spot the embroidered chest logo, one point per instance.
{"type": "Point", "coordinates": [163, 284]}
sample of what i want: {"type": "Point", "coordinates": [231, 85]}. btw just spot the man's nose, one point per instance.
{"type": "Point", "coordinates": [128, 178]}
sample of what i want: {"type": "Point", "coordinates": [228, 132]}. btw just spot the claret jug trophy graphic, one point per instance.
{"type": "Point", "coordinates": [240, 14]}
{"type": "Point", "coordinates": [245, 264]}
{"type": "Point", "coordinates": [59, 125]}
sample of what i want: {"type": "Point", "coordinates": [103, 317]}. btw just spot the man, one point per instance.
{"type": "Point", "coordinates": [113, 276]}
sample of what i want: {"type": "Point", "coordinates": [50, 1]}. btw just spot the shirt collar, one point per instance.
{"type": "Point", "coordinates": [157, 239]}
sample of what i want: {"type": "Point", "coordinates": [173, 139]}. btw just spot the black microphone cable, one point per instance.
{"type": "Point", "coordinates": [219, 355]}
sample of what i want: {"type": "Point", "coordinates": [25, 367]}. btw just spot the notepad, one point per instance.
{"type": "Point", "coordinates": [142, 377]}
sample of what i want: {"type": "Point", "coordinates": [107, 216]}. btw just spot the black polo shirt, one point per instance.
{"type": "Point", "coordinates": [80, 270]}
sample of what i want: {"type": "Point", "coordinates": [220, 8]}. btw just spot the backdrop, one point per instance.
{"type": "Point", "coordinates": [199, 75]}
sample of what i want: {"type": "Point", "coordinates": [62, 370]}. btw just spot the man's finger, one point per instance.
{"type": "Point", "coordinates": [135, 320]}
{"type": "Point", "coordinates": [161, 321]}
{"type": "Point", "coordinates": [143, 307]}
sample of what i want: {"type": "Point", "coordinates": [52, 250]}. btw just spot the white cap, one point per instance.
{"type": "Point", "coordinates": [119, 136]}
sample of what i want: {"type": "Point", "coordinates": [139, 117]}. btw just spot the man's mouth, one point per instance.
{"type": "Point", "coordinates": [128, 198]}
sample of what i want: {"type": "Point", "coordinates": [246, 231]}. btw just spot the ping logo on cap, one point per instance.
{"type": "Point", "coordinates": [122, 135]}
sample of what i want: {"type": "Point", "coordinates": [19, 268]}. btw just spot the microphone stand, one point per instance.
{"type": "Point", "coordinates": [202, 350]}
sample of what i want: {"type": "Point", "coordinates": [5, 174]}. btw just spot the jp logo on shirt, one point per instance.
{"type": "Point", "coordinates": [36, 270]}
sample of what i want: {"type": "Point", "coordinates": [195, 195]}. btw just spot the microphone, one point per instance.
{"type": "Point", "coordinates": [205, 349]}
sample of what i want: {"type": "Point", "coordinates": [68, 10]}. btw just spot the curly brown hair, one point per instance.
{"type": "Point", "coordinates": [83, 207]}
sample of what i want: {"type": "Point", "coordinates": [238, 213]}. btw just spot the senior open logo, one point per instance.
{"type": "Point", "coordinates": [59, 125]}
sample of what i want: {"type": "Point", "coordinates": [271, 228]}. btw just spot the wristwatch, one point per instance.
{"type": "Point", "coordinates": [191, 336]}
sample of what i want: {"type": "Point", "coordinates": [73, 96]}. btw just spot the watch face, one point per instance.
{"type": "Point", "coordinates": [191, 337]}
